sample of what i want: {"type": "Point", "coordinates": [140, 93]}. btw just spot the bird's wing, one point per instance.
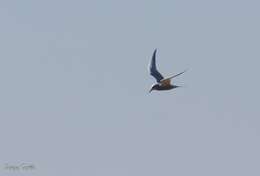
{"type": "Point", "coordinates": [153, 70]}
{"type": "Point", "coordinates": [167, 81]}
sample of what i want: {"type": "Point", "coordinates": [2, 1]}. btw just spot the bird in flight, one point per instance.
{"type": "Point", "coordinates": [162, 83]}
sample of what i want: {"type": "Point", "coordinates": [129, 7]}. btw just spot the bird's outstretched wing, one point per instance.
{"type": "Point", "coordinates": [176, 75]}
{"type": "Point", "coordinates": [167, 81]}
{"type": "Point", "coordinates": [153, 70]}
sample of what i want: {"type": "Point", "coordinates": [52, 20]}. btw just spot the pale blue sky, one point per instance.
{"type": "Point", "coordinates": [74, 87]}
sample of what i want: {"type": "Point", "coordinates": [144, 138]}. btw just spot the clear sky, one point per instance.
{"type": "Point", "coordinates": [74, 87]}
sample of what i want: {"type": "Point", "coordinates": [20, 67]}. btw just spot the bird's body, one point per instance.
{"type": "Point", "coordinates": [162, 83]}
{"type": "Point", "coordinates": [160, 87]}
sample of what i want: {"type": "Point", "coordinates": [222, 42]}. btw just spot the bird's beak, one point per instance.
{"type": "Point", "coordinates": [151, 90]}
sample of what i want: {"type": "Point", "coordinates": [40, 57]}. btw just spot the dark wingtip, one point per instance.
{"type": "Point", "coordinates": [175, 86]}
{"type": "Point", "coordinates": [154, 53]}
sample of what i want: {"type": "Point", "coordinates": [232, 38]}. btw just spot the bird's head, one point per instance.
{"type": "Point", "coordinates": [154, 87]}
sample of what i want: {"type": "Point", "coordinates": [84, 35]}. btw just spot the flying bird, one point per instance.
{"type": "Point", "coordinates": [162, 83]}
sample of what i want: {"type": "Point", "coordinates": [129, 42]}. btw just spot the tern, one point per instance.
{"type": "Point", "coordinates": [162, 83]}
